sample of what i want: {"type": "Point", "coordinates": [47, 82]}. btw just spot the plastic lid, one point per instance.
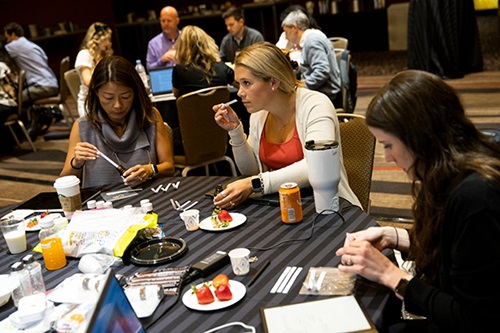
{"type": "Point", "coordinates": [144, 201]}
{"type": "Point", "coordinates": [17, 266]}
{"type": "Point", "coordinates": [28, 259]}
{"type": "Point", "coordinates": [321, 144]}
{"type": "Point", "coordinates": [46, 222]}
{"type": "Point", "coordinates": [138, 61]}
{"type": "Point", "coordinates": [66, 181]}
{"type": "Point", "coordinates": [147, 207]}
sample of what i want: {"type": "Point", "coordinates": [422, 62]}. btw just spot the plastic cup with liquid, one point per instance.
{"type": "Point", "coordinates": [14, 233]}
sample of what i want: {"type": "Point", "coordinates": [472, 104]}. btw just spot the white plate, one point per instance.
{"type": "Point", "coordinates": [19, 214]}
{"type": "Point", "coordinates": [38, 217]}
{"type": "Point", "coordinates": [238, 290]}
{"type": "Point", "coordinates": [238, 219]}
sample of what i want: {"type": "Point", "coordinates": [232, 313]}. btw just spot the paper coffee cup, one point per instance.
{"type": "Point", "coordinates": [68, 191]}
{"type": "Point", "coordinates": [240, 261]}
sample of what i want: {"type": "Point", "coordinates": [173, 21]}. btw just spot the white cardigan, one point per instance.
{"type": "Point", "coordinates": [315, 119]}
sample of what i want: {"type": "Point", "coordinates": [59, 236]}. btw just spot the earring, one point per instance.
{"type": "Point", "coordinates": [272, 88]}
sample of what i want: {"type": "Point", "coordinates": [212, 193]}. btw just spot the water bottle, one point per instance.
{"type": "Point", "coordinates": [35, 273]}
{"type": "Point", "coordinates": [51, 244]}
{"type": "Point", "coordinates": [18, 271]}
{"type": "Point", "coordinates": [142, 73]}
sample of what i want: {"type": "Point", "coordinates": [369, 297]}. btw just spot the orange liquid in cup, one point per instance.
{"type": "Point", "coordinates": [53, 253]}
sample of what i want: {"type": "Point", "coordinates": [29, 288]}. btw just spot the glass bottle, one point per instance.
{"type": "Point", "coordinates": [18, 271]}
{"type": "Point", "coordinates": [35, 273]}
{"type": "Point", "coordinates": [51, 243]}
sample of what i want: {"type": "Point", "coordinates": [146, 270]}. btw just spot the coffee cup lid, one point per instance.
{"type": "Point", "coordinates": [66, 181]}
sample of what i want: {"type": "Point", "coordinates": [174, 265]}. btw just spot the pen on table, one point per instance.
{"type": "Point", "coordinates": [259, 272]}
{"type": "Point", "coordinates": [230, 102]}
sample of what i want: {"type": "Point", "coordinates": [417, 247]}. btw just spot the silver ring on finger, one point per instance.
{"type": "Point", "coordinates": [223, 194]}
{"type": "Point", "coordinates": [232, 203]}
{"type": "Point", "coordinates": [349, 262]}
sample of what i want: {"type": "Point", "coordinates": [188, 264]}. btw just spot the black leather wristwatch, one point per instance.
{"type": "Point", "coordinates": [402, 285]}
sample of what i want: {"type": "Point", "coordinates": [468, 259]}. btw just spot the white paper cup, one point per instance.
{"type": "Point", "coordinates": [68, 191]}
{"type": "Point", "coordinates": [191, 219]}
{"type": "Point", "coordinates": [240, 261]}
{"type": "Point", "coordinates": [14, 233]}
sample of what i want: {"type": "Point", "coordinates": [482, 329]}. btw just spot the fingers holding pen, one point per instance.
{"type": "Point", "coordinates": [85, 151]}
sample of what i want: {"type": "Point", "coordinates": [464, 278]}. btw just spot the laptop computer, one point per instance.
{"type": "Point", "coordinates": [272, 199]}
{"type": "Point", "coordinates": [113, 312]}
{"type": "Point", "coordinates": [161, 82]}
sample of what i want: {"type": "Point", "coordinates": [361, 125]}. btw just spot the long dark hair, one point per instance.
{"type": "Point", "coordinates": [118, 70]}
{"type": "Point", "coordinates": [427, 115]}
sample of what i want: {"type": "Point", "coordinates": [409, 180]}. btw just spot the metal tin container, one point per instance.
{"type": "Point", "coordinates": [290, 203]}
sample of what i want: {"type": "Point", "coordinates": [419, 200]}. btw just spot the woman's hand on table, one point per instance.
{"type": "Point", "coordinates": [225, 117]}
{"type": "Point", "coordinates": [137, 174]}
{"type": "Point", "coordinates": [234, 194]}
{"type": "Point", "coordinates": [84, 152]}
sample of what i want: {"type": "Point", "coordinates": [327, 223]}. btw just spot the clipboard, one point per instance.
{"type": "Point", "coordinates": [336, 314]}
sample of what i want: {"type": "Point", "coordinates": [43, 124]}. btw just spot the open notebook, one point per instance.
{"type": "Point", "coordinates": [113, 312]}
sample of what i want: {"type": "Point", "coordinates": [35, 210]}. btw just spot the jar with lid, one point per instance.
{"type": "Point", "coordinates": [35, 273]}
{"type": "Point", "coordinates": [19, 272]}
{"type": "Point", "coordinates": [51, 244]}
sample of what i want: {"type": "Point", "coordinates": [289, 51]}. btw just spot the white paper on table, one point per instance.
{"type": "Point", "coordinates": [337, 314]}
{"type": "Point", "coordinates": [98, 231]}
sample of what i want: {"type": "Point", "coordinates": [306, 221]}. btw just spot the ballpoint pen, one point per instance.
{"type": "Point", "coordinates": [259, 272]}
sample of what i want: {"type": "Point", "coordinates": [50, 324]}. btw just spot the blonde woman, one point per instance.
{"type": "Point", "coordinates": [198, 64]}
{"type": "Point", "coordinates": [95, 46]}
{"type": "Point", "coordinates": [283, 117]}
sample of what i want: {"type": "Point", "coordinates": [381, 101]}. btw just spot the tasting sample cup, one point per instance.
{"type": "Point", "coordinates": [240, 261]}
{"type": "Point", "coordinates": [191, 219]}
{"type": "Point", "coordinates": [68, 191]}
{"type": "Point", "coordinates": [14, 232]}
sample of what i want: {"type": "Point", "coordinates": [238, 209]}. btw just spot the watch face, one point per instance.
{"type": "Point", "coordinates": [256, 184]}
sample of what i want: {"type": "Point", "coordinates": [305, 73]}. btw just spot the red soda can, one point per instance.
{"type": "Point", "coordinates": [290, 203]}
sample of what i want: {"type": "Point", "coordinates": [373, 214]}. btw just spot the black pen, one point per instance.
{"type": "Point", "coordinates": [259, 272]}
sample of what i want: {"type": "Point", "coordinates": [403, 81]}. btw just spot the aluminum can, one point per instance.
{"type": "Point", "coordinates": [290, 203]}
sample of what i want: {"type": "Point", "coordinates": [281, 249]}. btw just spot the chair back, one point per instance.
{"type": "Point", "coordinates": [202, 138]}
{"type": "Point", "coordinates": [339, 42]}
{"type": "Point", "coordinates": [358, 151]}
{"type": "Point", "coordinates": [63, 86]}
{"type": "Point", "coordinates": [72, 81]}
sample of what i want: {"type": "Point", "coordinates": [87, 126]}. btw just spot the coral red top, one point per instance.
{"type": "Point", "coordinates": [279, 155]}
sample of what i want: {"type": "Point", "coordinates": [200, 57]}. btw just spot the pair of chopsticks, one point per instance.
{"type": "Point", "coordinates": [286, 280]}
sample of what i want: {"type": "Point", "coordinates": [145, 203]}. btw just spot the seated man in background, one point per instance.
{"type": "Point", "coordinates": [161, 51]}
{"type": "Point", "coordinates": [41, 80]}
{"type": "Point", "coordinates": [318, 64]}
{"type": "Point", "coordinates": [239, 35]}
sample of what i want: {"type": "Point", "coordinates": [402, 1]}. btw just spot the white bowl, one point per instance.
{"type": "Point", "coordinates": [7, 284]}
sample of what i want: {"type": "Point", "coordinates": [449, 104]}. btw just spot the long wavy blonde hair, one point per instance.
{"type": "Point", "coordinates": [95, 33]}
{"type": "Point", "coordinates": [196, 48]}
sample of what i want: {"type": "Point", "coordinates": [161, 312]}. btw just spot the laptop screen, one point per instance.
{"type": "Point", "coordinates": [161, 80]}
{"type": "Point", "coordinates": [113, 312]}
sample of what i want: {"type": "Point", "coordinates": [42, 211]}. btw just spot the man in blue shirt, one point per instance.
{"type": "Point", "coordinates": [239, 36]}
{"type": "Point", "coordinates": [41, 80]}
{"type": "Point", "coordinates": [161, 50]}
{"type": "Point", "coordinates": [318, 63]}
